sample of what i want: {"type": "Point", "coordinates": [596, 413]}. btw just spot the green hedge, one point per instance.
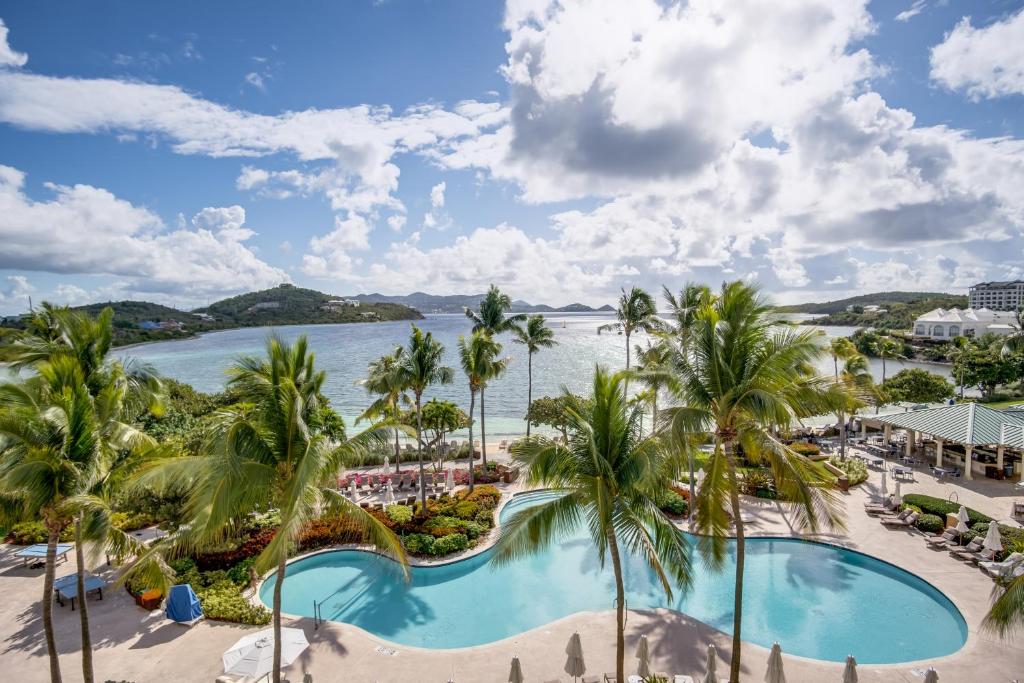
{"type": "Point", "coordinates": [930, 523]}
{"type": "Point", "coordinates": [424, 544]}
{"type": "Point", "coordinates": [1012, 538]}
{"type": "Point", "coordinates": [942, 507]}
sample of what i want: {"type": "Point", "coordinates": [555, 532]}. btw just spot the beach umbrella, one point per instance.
{"type": "Point", "coordinates": [574, 665]}
{"type": "Point", "coordinates": [712, 675]}
{"type": "Point", "coordinates": [449, 480]}
{"type": "Point", "coordinates": [931, 676]}
{"type": "Point", "coordinates": [643, 653]}
{"type": "Point", "coordinates": [515, 675]}
{"type": "Point", "coordinates": [883, 489]}
{"type": "Point", "coordinates": [387, 464]}
{"type": "Point", "coordinates": [390, 493]}
{"type": "Point", "coordinates": [992, 540]}
{"type": "Point", "coordinates": [896, 498]}
{"type": "Point", "coordinates": [775, 674]}
{"type": "Point", "coordinates": [850, 672]}
{"type": "Point", "coordinates": [253, 655]}
{"type": "Point", "coordinates": [961, 524]}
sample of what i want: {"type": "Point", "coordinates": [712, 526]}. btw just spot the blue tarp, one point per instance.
{"type": "Point", "coordinates": [183, 605]}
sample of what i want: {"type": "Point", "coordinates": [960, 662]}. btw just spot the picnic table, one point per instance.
{"type": "Point", "coordinates": [66, 588]}
{"type": "Point", "coordinates": [37, 553]}
{"type": "Point", "coordinates": [902, 472]}
{"type": "Point", "coordinates": [943, 471]}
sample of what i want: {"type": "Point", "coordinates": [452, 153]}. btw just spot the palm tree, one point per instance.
{"type": "Point", "coordinates": [491, 368]}
{"type": "Point", "coordinates": [476, 355]}
{"type": "Point", "coordinates": [842, 349]}
{"type": "Point", "coordinates": [652, 372]}
{"type": "Point", "coordinates": [535, 335]}
{"type": "Point", "coordinates": [67, 435]}
{"type": "Point", "coordinates": [492, 315]}
{"type": "Point", "coordinates": [1007, 611]}
{"type": "Point", "coordinates": [961, 349]}
{"type": "Point", "coordinates": [636, 311]}
{"type": "Point", "coordinates": [384, 377]}
{"type": "Point", "coordinates": [263, 453]}
{"type": "Point", "coordinates": [744, 377]}
{"type": "Point", "coordinates": [888, 347]}
{"type": "Point", "coordinates": [609, 474]}
{"type": "Point", "coordinates": [421, 367]}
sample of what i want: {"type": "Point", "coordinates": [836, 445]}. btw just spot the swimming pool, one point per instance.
{"type": "Point", "coordinates": [817, 600]}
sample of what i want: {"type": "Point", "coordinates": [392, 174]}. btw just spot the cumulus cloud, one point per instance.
{"type": "Point", "coordinates": [8, 56]}
{"type": "Point", "coordinates": [985, 62]}
{"type": "Point", "coordinates": [15, 289]}
{"type": "Point", "coordinates": [916, 8]}
{"type": "Point", "coordinates": [87, 230]}
{"type": "Point", "coordinates": [437, 195]}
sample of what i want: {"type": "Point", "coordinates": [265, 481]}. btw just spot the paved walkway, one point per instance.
{"type": "Point", "coordinates": [133, 645]}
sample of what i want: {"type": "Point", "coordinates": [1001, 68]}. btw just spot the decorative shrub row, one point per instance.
{"type": "Point", "coordinates": [425, 544]}
{"type": "Point", "coordinates": [220, 592]}
{"type": "Point", "coordinates": [674, 502]}
{"type": "Point", "coordinates": [804, 448]}
{"type": "Point", "coordinates": [930, 523]}
{"type": "Point", "coordinates": [856, 470]}
{"type": "Point", "coordinates": [942, 507]}
{"type": "Point", "coordinates": [30, 533]}
{"type": "Point", "coordinates": [1012, 538]}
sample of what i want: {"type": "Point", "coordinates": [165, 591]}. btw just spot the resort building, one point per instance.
{"type": "Point", "coordinates": [997, 296]}
{"type": "Point", "coordinates": [339, 304]}
{"type": "Point", "coordinates": [263, 305]}
{"type": "Point", "coordinates": [944, 324]}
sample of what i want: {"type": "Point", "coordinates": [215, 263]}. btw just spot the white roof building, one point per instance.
{"type": "Point", "coordinates": [944, 324]}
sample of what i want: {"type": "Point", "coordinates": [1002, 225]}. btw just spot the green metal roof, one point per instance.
{"type": "Point", "coordinates": [964, 423]}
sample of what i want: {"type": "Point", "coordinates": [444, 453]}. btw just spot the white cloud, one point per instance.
{"type": "Point", "coordinates": [8, 56]}
{"type": "Point", "coordinates": [396, 222]}
{"type": "Point", "coordinates": [256, 80]}
{"type": "Point", "coordinates": [15, 289]}
{"type": "Point", "coordinates": [986, 62]}
{"type": "Point", "coordinates": [916, 8]}
{"type": "Point", "coordinates": [437, 195]}
{"type": "Point", "coordinates": [84, 229]}
{"type": "Point", "coordinates": [70, 295]}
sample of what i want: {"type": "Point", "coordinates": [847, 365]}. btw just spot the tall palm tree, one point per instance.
{"type": "Point", "coordinates": [476, 356]}
{"type": "Point", "coordinates": [384, 377]}
{"type": "Point", "coordinates": [744, 377]}
{"type": "Point", "coordinates": [67, 434]}
{"type": "Point", "coordinates": [535, 335]}
{"type": "Point", "coordinates": [420, 368]}
{"type": "Point", "coordinates": [263, 453]}
{"type": "Point", "coordinates": [961, 349]}
{"type": "Point", "coordinates": [492, 368]}
{"type": "Point", "coordinates": [842, 349]}
{"type": "Point", "coordinates": [636, 311]}
{"type": "Point", "coordinates": [888, 347]}
{"type": "Point", "coordinates": [492, 314]}
{"type": "Point", "coordinates": [609, 473]}
{"type": "Point", "coordinates": [652, 372]}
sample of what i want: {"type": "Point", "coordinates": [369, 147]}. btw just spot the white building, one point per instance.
{"type": "Point", "coordinates": [944, 324]}
{"type": "Point", "coordinates": [997, 296]}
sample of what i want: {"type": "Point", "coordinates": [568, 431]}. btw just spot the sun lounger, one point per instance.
{"type": "Point", "coordinates": [591, 679]}
{"type": "Point", "coordinates": [66, 588]}
{"type": "Point", "coordinates": [1004, 568]}
{"type": "Point", "coordinates": [680, 678]}
{"type": "Point", "coordinates": [983, 555]}
{"type": "Point", "coordinates": [908, 521]}
{"type": "Point", "coordinates": [903, 514]}
{"type": "Point", "coordinates": [939, 542]}
{"type": "Point", "coordinates": [974, 546]}
{"type": "Point", "coordinates": [37, 553]}
{"type": "Point", "coordinates": [886, 508]}
{"type": "Point", "coordinates": [610, 678]}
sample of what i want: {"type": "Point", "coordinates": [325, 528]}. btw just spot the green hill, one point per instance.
{"type": "Point", "coordinates": [901, 309]}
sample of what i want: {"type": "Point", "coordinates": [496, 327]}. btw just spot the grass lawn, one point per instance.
{"type": "Point", "coordinates": [999, 405]}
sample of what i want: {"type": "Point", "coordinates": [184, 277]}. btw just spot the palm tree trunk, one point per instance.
{"type": "Point", "coordinates": [419, 452]}
{"type": "Point", "coordinates": [281, 567]}
{"type": "Point", "coordinates": [620, 609]}
{"type": "Point", "coordinates": [842, 436]}
{"type": "Point", "coordinates": [529, 389]}
{"type": "Point", "coordinates": [737, 617]}
{"type": "Point", "coordinates": [693, 494]}
{"type": "Point", "coordinates": [625, 385]}
{"type": "Point", "coordinates": [398, 450]}
{"type": "Point", "coordinates": [483, 432]}
{"type": "Point", "coordinates": [51, 561]}
{"type": "Point", "coordinates": [83, 605]}
{"type": "Point", "coordinates": [472, 406]}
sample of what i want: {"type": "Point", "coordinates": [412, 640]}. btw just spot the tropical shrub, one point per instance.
{"type": "Point", "coordinates": [1012, 538]}
{"type": "Point", "coordinates": [223, 601]}
{"type": "Point", "coordinates": [856, 470]}
{"type": "Point", "coordinates": [758, 482]}
{"type": "Point", "coordinates": [930, 523]}
{"type": "Point", "coordinates": [239, 574]}
{"type": "Point", "coordinates": [917, 386]}
{"type": "Point", "coordinates": [486, 496]}
{"type": "Point", "coordinates": [250, 546]}
{"type": "Point", "coordinates": [942, 507]}
{"type": "Point", "coordinates": [30, 533]}
{"type": "Point", "coordinates": [130, 521]}
{"type": "Point", "coordinates": [419, 544]}
{"type": "Point", "coordinates": [672, 503]}
{"type": "Point", "coordinates": [399, 514]}
{"type": "Point", "coordinates": [485, 518]}
{"type": "Point", "coordinates": [452, 543]}
{"type": "Point", "coordinates": [804, 448]}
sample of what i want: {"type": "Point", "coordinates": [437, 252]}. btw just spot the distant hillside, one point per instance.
{"type": "Point", "coordinates": [455, 303]}
{"type": "Point", "coordinates": [901, 309]}
{"type": "Point", "coordinates": [141, 321]}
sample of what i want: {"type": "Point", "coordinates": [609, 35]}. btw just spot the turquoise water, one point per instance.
{"type": "Point", "coordinates": [816, 600]}
{"type": "Point", "coordinates": [345, 350]}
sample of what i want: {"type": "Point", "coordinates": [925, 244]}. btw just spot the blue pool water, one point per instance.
{"type": "Point", "coordinates": [817, 600]}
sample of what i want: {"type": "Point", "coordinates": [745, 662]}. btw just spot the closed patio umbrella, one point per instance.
{"type": "Point", "coordinates": [574, 665]}
{"type": "Point", "coordinates": [352, 488]}
{"type": "Point", "coordinates": [449, 481]}
{"type": "Point", "coordinates": [775, 674]}
{"type": "Point", "coordinates": [961, 524]}
{"type": "Point", "coordinates": [643, 653]}
{"type": "Point", "coordinates": [253, 656]}
{"type": "Point", "coordinates": [850, 672]}
{"type": "Point", "coordinates": [931, 676]}
{"type": "Point", "coordinates": [387, 464]}
{"type": "Point", "coordinates": [896, 498]}
{"type": "Point", "coordinates": [390, 497]}
{"type": "Point", "coordinates": [992, 540]}
{"type": "Point", "coordinates": [883, 489]}
{"type": "Point", "coordinates": [712, 675]}
{"type": "Point", "coordinates": [515, 675]}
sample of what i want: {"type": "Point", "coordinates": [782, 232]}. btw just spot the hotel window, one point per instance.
{"type": "Point", "coordinates": [919, 330]}
{"type": "Point", "coordinates": [937, 331]}
{"type": "Point", "coordinates": [954, 331]}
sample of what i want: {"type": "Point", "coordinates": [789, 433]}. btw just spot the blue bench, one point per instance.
{"type": "Point", "coordinates": [66, 588]}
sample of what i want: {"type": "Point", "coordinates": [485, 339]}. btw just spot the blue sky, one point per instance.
{"type": "Point", "coordinates": [182, 153]}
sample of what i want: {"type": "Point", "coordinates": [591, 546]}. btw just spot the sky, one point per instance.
{"type": "Point", "coordinates": [184, 152]}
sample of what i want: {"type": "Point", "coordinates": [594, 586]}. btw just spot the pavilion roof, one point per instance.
{"type": "Point", "coordinates": [964, 423]}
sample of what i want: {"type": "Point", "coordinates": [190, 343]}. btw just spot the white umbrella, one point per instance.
{"type": "Point", "coordinates": [896, 499]}
{"type": "Point", "coordinates": [931, 676]}
{"type": "Point", "coordinates": [516, 673]}
{"type": "Point", "coordinates": [992, 540]}
{"type": "Point", "coordinates": [712, 675]}
{"type": "Point", "coordinates": [850, 672]}
{"type": "Point", "coordinates": [884, 489]}
{"type": "Point", "coordinates": [961, 525]}
{"type": "Point", "coordinates": [352, 488]}
{"type": "Point", "coordinates": [574, 665]}
{"type": "Point", "coordinates": [775, 674]}
{"type": "Point", "coordinates": [387, 463]}
{"type": "Point", "coordinates": [643, 653]}
{"type": "Point", "coordinates": [390, 493]}
{"type": "Point", "coordinates": [253, 656]}
{"type": "Point", "coordinates": [449, 480]}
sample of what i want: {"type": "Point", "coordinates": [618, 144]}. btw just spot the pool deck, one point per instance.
{"type": "Point", "coordinates": [133, 645]}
